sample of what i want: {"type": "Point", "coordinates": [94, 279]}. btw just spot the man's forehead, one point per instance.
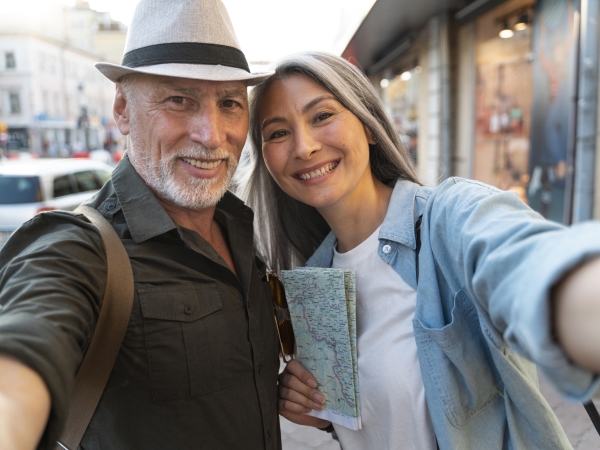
{"type": "Point", "coordinates": [192, 85]}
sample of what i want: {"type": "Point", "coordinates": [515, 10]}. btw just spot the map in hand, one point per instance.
{"type": "Point", "coordinates": [322, 305]}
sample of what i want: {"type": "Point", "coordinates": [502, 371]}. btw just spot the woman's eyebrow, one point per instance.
{"type": "Point", "coordinates": [316, 101]}
{"type": "Point", "coordinates": [272, 120]}
{"type": "Point", "coordinates": [306, 107]}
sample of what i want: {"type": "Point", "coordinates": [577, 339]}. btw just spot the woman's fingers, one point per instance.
{"type": "Point", "coordinates": [293, 389]}
{"type": "Point", "coordinates": [292, 396]}
{"type": "Point", "coordinates": [298, 396]}
{"type": "Point", "coordinates": [296, 368]}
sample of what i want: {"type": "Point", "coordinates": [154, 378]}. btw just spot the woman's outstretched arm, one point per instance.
{"type": "Point", "coordinates": [577, 315]}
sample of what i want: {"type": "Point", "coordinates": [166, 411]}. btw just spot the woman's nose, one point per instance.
{"type": "Point", "coordinates": [306, 144]}
{"type": "Point", "coordinates": [208, 128]}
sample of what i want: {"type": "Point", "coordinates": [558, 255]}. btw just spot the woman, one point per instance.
{"type": "Point", "coordinates": [333, 187]}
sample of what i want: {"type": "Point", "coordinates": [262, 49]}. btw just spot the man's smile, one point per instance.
{"type": "Point", "coordinates": [203, 164]}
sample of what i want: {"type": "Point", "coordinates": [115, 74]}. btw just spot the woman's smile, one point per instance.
{"type": "Point", "coordinates": [317, 172]}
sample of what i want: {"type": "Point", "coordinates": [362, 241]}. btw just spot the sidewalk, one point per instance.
{"type": "Point", "coordinates": [573, 418]}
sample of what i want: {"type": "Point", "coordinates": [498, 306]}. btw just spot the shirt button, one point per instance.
{"type": "Point", "coordinates": [110, 206]}
{"type": "Point", "coordinates": [386, 249]}
{"type": "Point", "coordinates": [269, 436]}
{"type": "Point", "coordinates": [258, 369]}
{"type": "Point", "coordinates": [188, 309]}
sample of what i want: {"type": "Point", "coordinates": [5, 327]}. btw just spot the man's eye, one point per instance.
{"type": "Point", "coordinates": [177, 99]}
{"type": "Point", "coordinates": [323, 116]}
{"type": "Point", "coordinates": [230, 103]}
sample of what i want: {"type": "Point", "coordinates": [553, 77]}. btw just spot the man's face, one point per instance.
{"type": "Point", "coordinates": [185, 136]}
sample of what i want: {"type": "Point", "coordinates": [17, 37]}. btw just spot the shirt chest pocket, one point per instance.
{"type": "Point", "coordinates": [457, 361]}
{"type": "Point", "coordinates": [186, 340]}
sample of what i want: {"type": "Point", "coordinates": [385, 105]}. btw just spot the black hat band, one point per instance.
{"type": "Point", "coordinates": [186, 53]}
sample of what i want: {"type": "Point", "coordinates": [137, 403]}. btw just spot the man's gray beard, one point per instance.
{"type": "Point", "coordinates": [193, 194]}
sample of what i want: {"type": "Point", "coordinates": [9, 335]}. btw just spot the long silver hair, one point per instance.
{"type": "Point", "coordinates": [288, 231]}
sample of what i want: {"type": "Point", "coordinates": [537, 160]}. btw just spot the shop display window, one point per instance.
{"type": "Point", "coordinates": [401, 101]}
{"type": "Point", "coordinates": [525, 60]}
{"type": "Point", "coordinates": [503, 100]}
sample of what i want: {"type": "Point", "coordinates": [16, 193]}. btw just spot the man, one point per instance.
{"type": "Point", "coordinates": [198, 365]}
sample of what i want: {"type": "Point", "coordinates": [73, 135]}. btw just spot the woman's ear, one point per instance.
{"type": "Point", "coordinates": [370, 137]}
{"type": "Point", "coordinates": [121, 110]}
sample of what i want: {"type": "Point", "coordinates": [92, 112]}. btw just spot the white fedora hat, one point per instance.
{"type": "Point", "coordinates": [183, 38]}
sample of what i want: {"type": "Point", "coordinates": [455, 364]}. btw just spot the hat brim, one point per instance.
{"type": "Point", "coordinates": [208, 72]}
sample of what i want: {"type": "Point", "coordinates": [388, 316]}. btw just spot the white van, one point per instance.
{"type": "Point", "coordinates": [28, 187]}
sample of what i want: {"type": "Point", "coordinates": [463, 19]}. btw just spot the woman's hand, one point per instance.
{"type": "Point", "coordinates": [298, 395]}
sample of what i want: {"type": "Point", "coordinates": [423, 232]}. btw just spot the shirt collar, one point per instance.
{"type": "Point", "coordinates": [398, 224]}
{"type": "Point", "coordinates": [145, 216]}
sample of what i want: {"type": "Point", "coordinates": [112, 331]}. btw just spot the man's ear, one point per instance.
{"type": "Point", "coordinates": [121, 110]}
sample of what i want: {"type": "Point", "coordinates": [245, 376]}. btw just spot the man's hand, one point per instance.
{"type": "Point", "coordinates": [298, 395]}
{"type": "Point", "coordinates": [577, 315]}
{"type": "Point", "coordinates": [24, 405]}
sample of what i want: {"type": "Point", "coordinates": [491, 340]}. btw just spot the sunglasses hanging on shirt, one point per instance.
{"type": "Point", "coordinates": [283, 322]}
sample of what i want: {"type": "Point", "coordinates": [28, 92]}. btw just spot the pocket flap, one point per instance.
{"type": "Point", "coordinates": [181, 303]}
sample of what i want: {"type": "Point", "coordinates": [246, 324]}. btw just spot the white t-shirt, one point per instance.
{"type": "Point", "coordinates": [392, 397]}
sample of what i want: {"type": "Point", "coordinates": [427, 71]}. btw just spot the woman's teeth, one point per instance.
{"type": "Point", "coordinates": [319, 172]}
{"type": "Point", "coordinates": [203, 164]}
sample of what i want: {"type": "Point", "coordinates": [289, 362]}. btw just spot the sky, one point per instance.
{"type": "Point", "coordinates": [266, 29]}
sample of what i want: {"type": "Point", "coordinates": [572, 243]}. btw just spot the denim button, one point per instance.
{"type": "Point", "coordinates": [188, 309]}
{"type": "Point", "coordinates": [110, 206]}
{"type": "Point", "coordinates": [386, 249]}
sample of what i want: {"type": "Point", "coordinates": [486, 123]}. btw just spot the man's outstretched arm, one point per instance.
{"type": "Point", "coordinates": [24, 405]}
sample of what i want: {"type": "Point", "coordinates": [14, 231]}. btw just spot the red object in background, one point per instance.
{"type": "Point", "coordinates": [81, 154]}
{"type": "Point", "coordinates": [118, 155]}
{"type": "Point", "coordinates": [46, 208]}
{"type": "Point", "coordinates": [21, 155]}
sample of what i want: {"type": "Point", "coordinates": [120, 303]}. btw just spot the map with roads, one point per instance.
{"type": "Point", "coordinates": [322, 305]}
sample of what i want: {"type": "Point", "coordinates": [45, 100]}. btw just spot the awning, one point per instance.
{"type": "Point", "coordinates": [387, 29]}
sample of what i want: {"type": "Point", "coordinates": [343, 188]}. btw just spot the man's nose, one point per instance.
{"type": "Point", "coordinates": [207, 128]}
{"type": "Point", "coordinates": [305, 143]}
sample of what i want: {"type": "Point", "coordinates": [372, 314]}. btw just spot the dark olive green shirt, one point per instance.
{"type": "Point", "coordinates": [198, 365]}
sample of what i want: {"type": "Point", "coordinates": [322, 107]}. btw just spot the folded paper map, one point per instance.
{"type": "Point", "coordinates": [322, 305]}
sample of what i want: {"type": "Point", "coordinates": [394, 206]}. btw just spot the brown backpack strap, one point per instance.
{"type": "Point", "coordinates": [108, 335]}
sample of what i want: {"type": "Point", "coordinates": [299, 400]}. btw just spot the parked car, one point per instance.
{"type": "Point", "coordinates": [28, 187]}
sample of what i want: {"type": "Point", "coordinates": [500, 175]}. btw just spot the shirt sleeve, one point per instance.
{"type": "Point", "coordinates": [52, 281]}
{"type": "Point", "coordinates": [508, 259]}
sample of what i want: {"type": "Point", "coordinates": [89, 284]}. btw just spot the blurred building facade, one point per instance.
{"type": "Point", "coordinates": [52, 100]}
{"type": "Point", "coordinates": [503, 91]}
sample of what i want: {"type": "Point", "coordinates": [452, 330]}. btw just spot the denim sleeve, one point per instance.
{"type": "Point", "coordinates": [52, 280]}
{"type": "Point", "coordinates": [508, 258]}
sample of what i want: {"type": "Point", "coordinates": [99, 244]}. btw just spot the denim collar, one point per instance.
{"type": "Point", "coordinates": [398, 224]}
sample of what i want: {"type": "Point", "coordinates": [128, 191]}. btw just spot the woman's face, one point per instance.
{"type": "Point", "coordinates": [315, 148]}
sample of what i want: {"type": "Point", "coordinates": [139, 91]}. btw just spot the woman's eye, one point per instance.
{"type": "Point", "coordinates": [278, 134]}
{"type": "Point", "coordinates": [323, 116]}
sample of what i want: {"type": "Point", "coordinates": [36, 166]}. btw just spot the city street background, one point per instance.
{"type": "Point", "coordinates": [504, 92]}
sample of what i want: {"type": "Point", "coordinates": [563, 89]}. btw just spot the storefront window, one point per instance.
{"type": "Point", "coordinates": [525, 86]}
{"type": "Point", "coordinates": [402, 101]}
{"type": "Point", "coordinates": [503, 99]}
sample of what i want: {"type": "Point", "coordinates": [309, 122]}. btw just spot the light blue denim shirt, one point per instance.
{"type": "Point", "coordinates": [486, 266]}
